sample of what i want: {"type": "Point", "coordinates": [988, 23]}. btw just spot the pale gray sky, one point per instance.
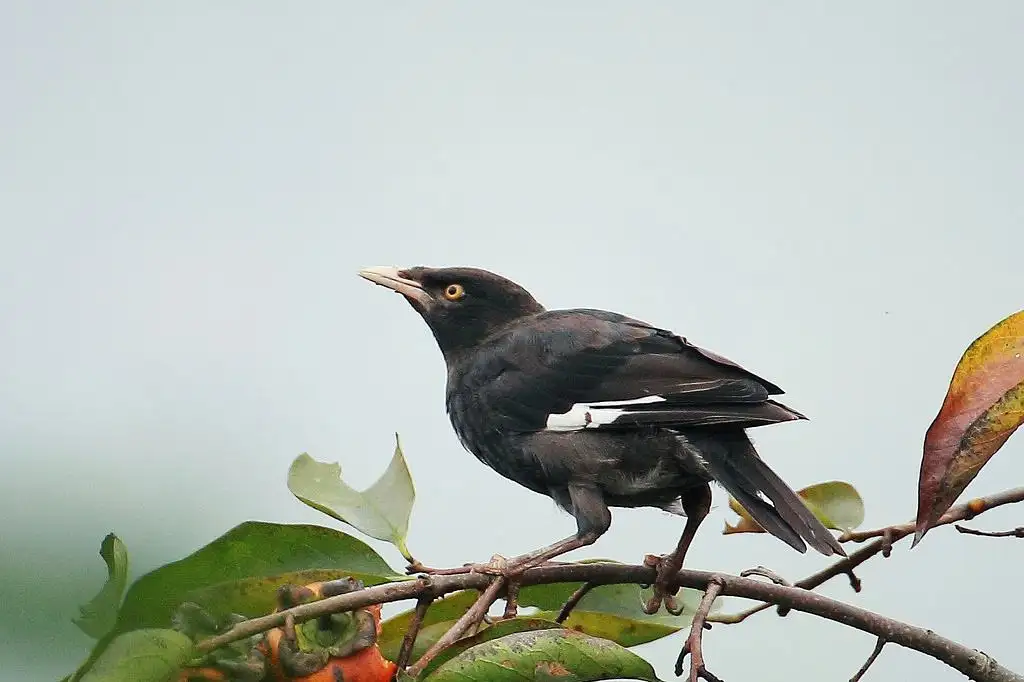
{"type": "Point", "coordinates": [829, 194]}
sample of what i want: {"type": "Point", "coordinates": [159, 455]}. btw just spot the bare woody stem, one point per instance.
{"type": "Point", "coordinates": [693, 647]}
{"type": "Point", "coordinates": [1017, 532]}
{"type": "Point", "coordinates": [961, 512]}
{"type": "Point", "coordinates": [972, 663]}
{"type": "Point", "coordinates": [470, 618]}
{"type": "Point", "coordinates": [409, 640]}
{"type": "Point", "coordinates": [884, 538]}
{"type": "Point", "coordinates": [871, 659]}
{"type": "Point", "coordinates": [574, 599]}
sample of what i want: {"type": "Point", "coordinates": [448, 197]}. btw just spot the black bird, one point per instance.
{"type": "Point", "coordinates": [598, 410]}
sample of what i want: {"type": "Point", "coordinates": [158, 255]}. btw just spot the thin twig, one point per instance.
{"type": "Point", "coordinates": [1014, 533]}
{"type": "Point", "coordinates": [886, 537]}
{"type": "Point", "coordinates": [409, 640]}
{"type": "Point", "coordinates": [871, 659]}
{"type": "Point", "coordinates": [470, 618]}
{"type": "Point", "coordinates": [511, 600]}
{"type": "Point", "coordinates": [961, 512]}
{"type": "Point", "coordinates": [693, 645]}
{"type": "Point", "coordinates": [573, 601]}
{"type": "Point", "coordinates": [841, 567]}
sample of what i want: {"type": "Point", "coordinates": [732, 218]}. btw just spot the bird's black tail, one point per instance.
{"type": "Point", "coordinates": [733, 461]}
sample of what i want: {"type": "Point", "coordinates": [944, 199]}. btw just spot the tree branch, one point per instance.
{"type": "Point", "coordinates": [961, 512]}
{"type": "Point", "coordinates": [886, 537]}
{"type": "Point", "coordinates": [972, 663]}
{"type": "Point", "coordinates": [1017, 532]}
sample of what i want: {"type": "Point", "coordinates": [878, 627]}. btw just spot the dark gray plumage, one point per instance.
{"type": "Point", "coordinates": [598, 410]}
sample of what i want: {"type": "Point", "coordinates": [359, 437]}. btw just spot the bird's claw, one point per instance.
{"type": "Point", "coordinates": [674, 606]}
{"type": "Point", "coordinates": [497, 566]}
{"type": "Point", "coordinates": [664, 590]}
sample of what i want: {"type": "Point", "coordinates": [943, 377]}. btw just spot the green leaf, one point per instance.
{"type": "Point", "coordinates": [550, 654]}
{"type": "Point", "coordinates": [245, 554]}
{"type": "Point", "coordinates": [440, 617]}
{"type": "Point", "coordinates": [611, 611]}
{"type": "Point", "coordinates": [141, 656]}
{"type": "Point", "coordinates": [837, 504]}
{"type": "Point", "coordinates": [498, 629]}
{"type": "Point", "coordinates": [381, 511]}
{"type": "Point", "coordinates": [99, 615]}
{"type": "Point", "coordinates": [258, 595]}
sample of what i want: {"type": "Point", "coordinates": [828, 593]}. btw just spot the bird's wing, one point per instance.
{"type": "Point", "coordinates": [588, 369]}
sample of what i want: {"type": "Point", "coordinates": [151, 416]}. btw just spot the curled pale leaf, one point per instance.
{"type": "Point", "coordinates": [983, 407]}
{"type": "Point", "coordinates": [381, 511]}
{"type": "Point", "coordinates": [99, 615]}
{"type": "Point", "coordinates": [837, 504]}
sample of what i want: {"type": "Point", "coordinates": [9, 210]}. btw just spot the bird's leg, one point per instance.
{"type": "Point", "coordinates": [697, 504]}
{"type": "Point", "coordinates": [586, 502]}
{"type": "Point", "coordinates": [499, 565]}
{"type": "Point", "coordinates": [544, 554]}
{"type": "Point", "coordinates": [592, 519]}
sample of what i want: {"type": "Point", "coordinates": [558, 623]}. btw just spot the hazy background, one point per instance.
{"type": "Point", "coordinates": [828, 194]}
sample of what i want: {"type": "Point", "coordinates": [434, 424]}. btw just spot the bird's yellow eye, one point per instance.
{"type": "Point", "coordinates": [454, 292]}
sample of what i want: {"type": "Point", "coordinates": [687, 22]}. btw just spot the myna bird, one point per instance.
{"type": "Point", "coordinates": [598, 410]}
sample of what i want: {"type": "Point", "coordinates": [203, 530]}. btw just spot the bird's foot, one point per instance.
{"type": "Point", "coordinates": [497, 566]}
{"type": "Point", "coordinates": [664, 586]}
{"type": "Point", "coordinates": [509, 568]}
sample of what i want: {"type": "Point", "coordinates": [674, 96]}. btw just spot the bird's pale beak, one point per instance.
{"type": "Point", "coordinates": [391, 277]}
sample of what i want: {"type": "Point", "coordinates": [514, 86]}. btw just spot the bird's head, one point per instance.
{"type": "Point", "coordinates": [462, 306]}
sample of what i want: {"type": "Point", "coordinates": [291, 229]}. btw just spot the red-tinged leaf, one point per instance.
{"type": "Point", "coordinates": [983, 407]}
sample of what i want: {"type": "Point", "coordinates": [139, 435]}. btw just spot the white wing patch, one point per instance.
{"type": "Point", "coordinates": [594, 415]}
